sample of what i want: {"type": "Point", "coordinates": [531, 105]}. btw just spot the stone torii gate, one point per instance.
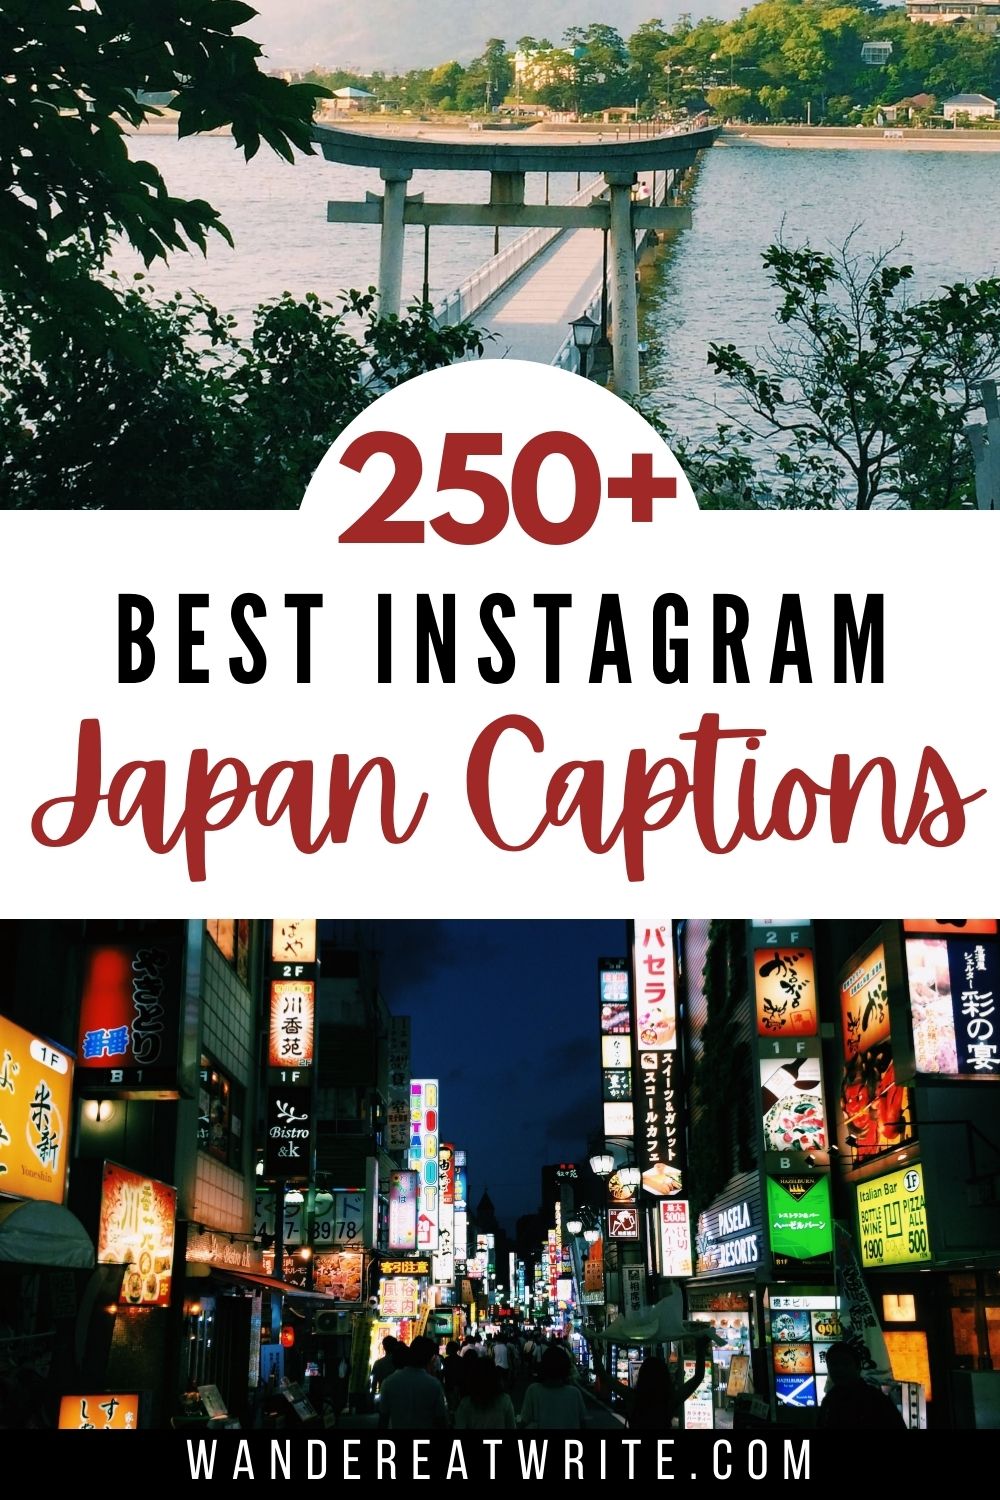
{"type": "Point", "coordinates": [619, 162]}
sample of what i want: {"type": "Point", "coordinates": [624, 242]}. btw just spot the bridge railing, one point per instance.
{"type": "Point", "coordinates": [567, 357]}
{"type": "Point", "coordinates": [494, 274]}
{"type": "Point", "coordinates": [491, 277]}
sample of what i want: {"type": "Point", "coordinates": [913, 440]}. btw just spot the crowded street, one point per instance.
{"type": "Point", "coordinates": [644, 1175]}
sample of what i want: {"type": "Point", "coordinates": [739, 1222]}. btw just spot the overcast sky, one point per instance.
{"type": "Point", "coordinates": [505, 1015]}
{"type": "Point", "coordinates": [398, 34]}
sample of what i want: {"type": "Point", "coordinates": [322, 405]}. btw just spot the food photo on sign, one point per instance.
{"type": "Point", "coordinates": [266, 1276]}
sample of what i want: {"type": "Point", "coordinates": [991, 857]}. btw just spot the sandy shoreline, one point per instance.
{"type": "Point", "coordinates": [796, 138]}
{"type": "Point", "coordinates": [856, 140]}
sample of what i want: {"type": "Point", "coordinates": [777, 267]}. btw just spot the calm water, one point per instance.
{"type": "Point", "coordinates": [709, 285]}
{"type": "Point", "coordinates": [276, 214]}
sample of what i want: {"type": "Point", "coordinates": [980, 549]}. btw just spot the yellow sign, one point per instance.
{"type": "Point", "coordinates": [101, 1413]}
{"type": "Point", "coordinates": [293, 940]}
{"type": "Point", "coordinates": [892, 1219]}
{"type": "Point", "coordinates": [36, 1091]}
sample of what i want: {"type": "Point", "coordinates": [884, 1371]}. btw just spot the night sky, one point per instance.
{"type": "Point", "coordinates": [505, 1015]}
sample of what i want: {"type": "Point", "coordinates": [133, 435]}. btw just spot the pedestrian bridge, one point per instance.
{"type": "Point", "coordinates": [527, 295]}
{"type": "Point", "coordinates": [524, 295]}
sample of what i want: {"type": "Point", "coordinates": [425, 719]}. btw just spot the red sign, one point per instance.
{"type": "Point", "coordinates": [129, 1014]}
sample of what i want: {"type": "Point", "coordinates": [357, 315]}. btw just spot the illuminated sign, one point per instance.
{"type": "Point", "coordinates": [422, 1157]}
{"type": "Point", "coordinates": [965, 925]}
{"type": "Point", "coordinates": [801, 1226]}
{"type": "Point", "coordinates": [404, 1188]}
{"type": "Point", "coordinates": [397, 1122]}
{"type": "Point", "coordinates": [129, 1016]}
{"type": "Point", "coordinates": [623, 1223]}
{"type": "Point", "coordinates": [954, 983]}
{"type": "Point", "coordinates": [655, 996]}
{"type": "Point", "coordinates": [730, 1236]}
{"type": "Point", "coordinates": [616, 1051]}
{"type": "Point", "coordinates": [616, 1019]}
{"type": "Point", "coordinates": [785, 992]}
{"type": "Point", "coordinates": [444, 1255]}
{"type": "Point", "coordinates": [99, 1413]}
{"type": "Point", "coordinates": [410, 1267]}
{"type": "Point", "coordinates": [399, 1297]}
{"type": "Point", "coordinates": [659, 1135]}
{"type": "Point", "coordinates": [612, 980]}
{"type": "Point", "coordinates": [875, 1110]}
{"type": "Point", "coordinates": [446, 1169]}
{"type": "Point", "coordinates": [675, 1238]}
{"type": "Point", "coordinates": [656, 1078]}
{"type": "Point", "coordinates": [794, 1117]}
{"type": "Point", "coordinates": [293, 940]}
{"type": "Point", "coordinates": [288, 1131]}
{"type": "Point", "coordinates": [137, 1230]}
{"type": "Point", "coordinates": [36, 1092]}
{"type": "Point", "coordinates": [338, 1273]}
{"type": "Point", "coordinates": [617, 1085]}
{"type": "Point", "coordinates": [293, 1012]}
{"type": "Point", "coordinates": [337, 1218]}
{"type": "Point", "coordinates": [619, 1119]}
{"type": "Point", "coordinates": [461, 1178]}
{"type": "Point", "coordinates": [892, 1219]}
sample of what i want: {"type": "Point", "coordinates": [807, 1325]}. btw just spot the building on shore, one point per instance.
{"type": "Point", "coordinates": [981, 15]}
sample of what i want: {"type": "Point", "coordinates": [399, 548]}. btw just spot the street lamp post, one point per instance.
{"type": "Point", "coordinates": [585, 331]}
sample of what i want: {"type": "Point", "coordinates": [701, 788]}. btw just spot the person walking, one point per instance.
{"type": "Point", "coordinates": [850, 1402]}
{"type": "Point", "coordinates": [485, 1405]}
{"type": "Point", "coordinates": [554, 1401]}
{"type": "Point", "coordinates": [501, 1361]}
{"type": "Point", "coordinates": [656, 1399]}
{"type": "Point", "coordinates": [412, 1398]}
{"type": "Point", "coordinates": [453, 1375]}
{"type": "Point", "coordinates": [390, 1361]}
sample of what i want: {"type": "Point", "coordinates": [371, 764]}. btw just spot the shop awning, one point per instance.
{"type": "Point", "coordinates": [43, 1234]}
{"type": "Point", "coordinates": [273, 1284]}
{"type": "Point", "coordinates": [662, 1324]}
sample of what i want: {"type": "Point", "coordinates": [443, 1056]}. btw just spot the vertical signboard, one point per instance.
{"type": "Point", "coordinates": [422, 1158]}
{"type": "Point", "coordinates": [444, 1255]}
{"type": "Point", "coordinates": [953, 984]}
{"type": "Point", "coordinates": [293, 1014]}
{"type": "Point", "coordinates": [293, 942]}
{"type": "Point", "coordinates": [675, 1238]}
{"type": "Point", "coordinates": [795, 1131]}
{"type": "Point", "coordinates": [403, 1197]}
{"type": "Point", "coordinates": [36, 1093]}
{"type": "Point", "coordinates": [461, 1190]}
{"type": "Point", "coordinates": [288, 1131]}
{"type": "Point", "coordinates": [290, 996]}
{"type": "Point", "coordinates": [130, 1007]}
{"type": "Point", "coordinates": [136, 1229]}
{"type": "Point", "coordinates": [616, 1049]}
{"type": "Point", "coordinates": [397, 1125]}
{"type": "Point", "coordinates": [876, 1111]}
{"type": "Point", "coordinates": [657, 1088]}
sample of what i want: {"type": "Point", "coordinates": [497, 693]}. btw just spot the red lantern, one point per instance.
{"type": "Point", "coordinates": [287, 1336]}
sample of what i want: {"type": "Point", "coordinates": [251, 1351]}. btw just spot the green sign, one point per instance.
{"type": "Point", "coordinates": [798, 1210]}
{"type": "Point", "coordinates": [892, 1219]}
